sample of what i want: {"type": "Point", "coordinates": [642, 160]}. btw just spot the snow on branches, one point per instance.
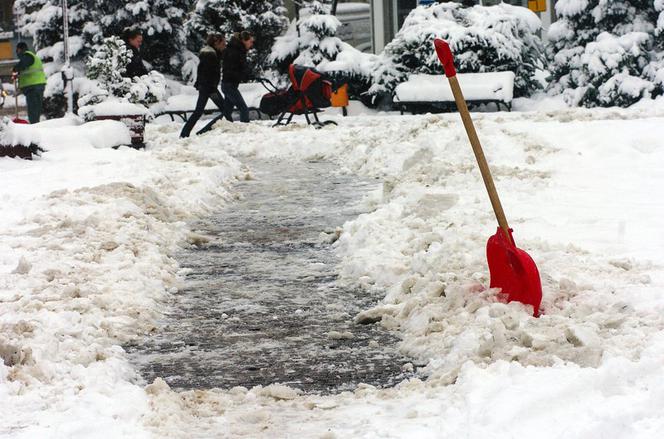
{"type": "Point", "coordinates": [265, 19]}
{"type": "Point", "coordinates": [603, 53]}
{"type": "Point", "coordinates": [312, 41]}
{"type": "Point", "coordinates": [107, 67]}
{"type": "Point", "coordinates": [161, 22]}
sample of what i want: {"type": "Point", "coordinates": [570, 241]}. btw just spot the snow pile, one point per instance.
{"type": "Point", "coordinates": [86, 248]}
{"type": "Point", "coordinates": [475, 86]}
{"type": "Point", "coordinates": [66, 133]}
{"type": "Point", "coordinates": [604, 53]}
{"type": "Point", "coordinates": [483, 39]}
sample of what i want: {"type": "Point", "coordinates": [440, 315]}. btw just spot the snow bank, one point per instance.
{"type": "Point", "coordinates": [67, 133]}
{"type": "Point", "coordinates": [86, 247]}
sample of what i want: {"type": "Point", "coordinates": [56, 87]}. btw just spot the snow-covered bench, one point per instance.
{"type": "Point", "coordinates": [421, 93]}
{"type": "Point", "coordinates": [182, 105]}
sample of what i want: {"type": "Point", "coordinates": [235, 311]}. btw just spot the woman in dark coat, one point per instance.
{"type": "Point", "coordinates": [207, 80]}
{"type": "Point", "coordinates": [236, 71]}
{"type": "Point", "coordinates": [134, 40]}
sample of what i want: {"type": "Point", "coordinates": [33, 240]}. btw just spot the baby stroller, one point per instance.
{"type": "Point", "coordinates": [308, 93]}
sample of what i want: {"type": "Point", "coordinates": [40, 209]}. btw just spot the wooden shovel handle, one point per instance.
{"type": "Point", "coordinates": [445, 55]}
{"type": "Point", "coordinates": [16, 96]}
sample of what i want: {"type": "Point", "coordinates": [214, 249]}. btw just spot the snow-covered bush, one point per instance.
{"type": "Point", "coordinates": [602, 52]}
{"type": "Point", "coordinates": [484, 39]}
{"type": "Point", "coordinates": [611, 68]}
{"type": "Point", "coordinates": [312, 41]}
{"type": "Point", "coordinates": [106, 67]}
{"type": "Point", "coordinates": [265, 19]}
{"type": "Point", "coordinates": [109, 64]}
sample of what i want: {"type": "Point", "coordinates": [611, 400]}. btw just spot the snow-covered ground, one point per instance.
{"type": "Point", "coordinates": [86, 262]}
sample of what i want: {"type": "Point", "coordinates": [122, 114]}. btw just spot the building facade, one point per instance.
{"type": "Point", "coordinates": [7, 36]}
{"type": "Point", "coordinates": [387, 16]}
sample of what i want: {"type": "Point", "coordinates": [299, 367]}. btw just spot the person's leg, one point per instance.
{"type": "Point", "coordinates": [39, 102]}
{"type": "Point", "coordinates": [234, 94]}
{"type": "Point", "coordinates": [242, 106]}
{"type": "Point", "coordinates": [198, 112]}
{"type": "Point", "coordinates": [227, 89]}
{"type": "Point", "coordinates": [218, 100]}
{"type": "Point", "coordinates": [221, 102]}
{"type": "Point", "coordinates": [31, 101]}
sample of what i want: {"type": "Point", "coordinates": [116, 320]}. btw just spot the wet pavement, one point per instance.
{"type": "Point", "coordinates": [262, 303]}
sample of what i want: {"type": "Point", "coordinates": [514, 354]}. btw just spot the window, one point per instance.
{"type": "Point", "coordinates": [403, 8]}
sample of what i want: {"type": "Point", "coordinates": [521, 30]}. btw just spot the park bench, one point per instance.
{"type": "Point", "coordinates": [426, 93]}
{"type": "Point", "coordinates": [183, 105]}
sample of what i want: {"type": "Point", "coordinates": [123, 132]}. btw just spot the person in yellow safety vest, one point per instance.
{"type": "Point", "coordinates": [31, 80]}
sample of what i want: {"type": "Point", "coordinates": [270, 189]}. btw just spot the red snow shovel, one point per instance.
{"type": "Point", "coordinates": [17, 119]}
{"type": "Point", "coordinates": [512, 269]}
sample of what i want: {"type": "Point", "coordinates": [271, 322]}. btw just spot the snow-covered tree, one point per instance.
{"type": "Point", "coordinates": [161, 22]}
{"type": "Point", "coordinates": [108, 65]}
{"type": "Point", "coordinates": [601, 51]}
{"type": "Point", "coordinates": [312, 41]}
{"type": "Point", "coordinates": [92, 20]}
{"type": "Point", "coordinates": [483, 39]}
{"type": "Point", "coordinates": [42, 20]}
{"type": "Point", "coordinates": [265, 19]}
{"type": "Point", "coordinates": [659, 30]}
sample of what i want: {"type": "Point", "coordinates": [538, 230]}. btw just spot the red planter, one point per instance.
{"type": "Point", "coordinates": [136, 125]}
{"type": "Point", "coordinates": [19, 151]}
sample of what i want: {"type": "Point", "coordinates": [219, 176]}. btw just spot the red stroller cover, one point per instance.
{"type": "Point", "coordinates": [308, 90]}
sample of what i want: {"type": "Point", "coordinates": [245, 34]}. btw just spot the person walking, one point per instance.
{"type": "Point", "coordinates": [236, 71]}
{"type": "Point", "coordinates": [136, 67]}
{"type": "Point", "coordinates": [207, 80]}
{"type": "Point", "coordinates": [31, 80]}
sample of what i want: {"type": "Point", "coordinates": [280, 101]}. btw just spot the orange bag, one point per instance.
{"type": "Point", "coordinates": [339, 98]}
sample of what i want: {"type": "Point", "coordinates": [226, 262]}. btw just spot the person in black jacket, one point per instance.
{"type": "Point", "coordinates": [207, 80]}
{"type": "Point", "coordinates": [236, 71]}
{"type": "Point", "coordinates": [134, 40]}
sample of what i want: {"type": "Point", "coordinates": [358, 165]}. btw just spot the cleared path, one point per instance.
{"type": "Point", "coordinates": [262, 303]}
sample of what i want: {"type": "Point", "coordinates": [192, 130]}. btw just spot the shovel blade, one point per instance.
{"type": "Point", "coordinates": [513, 271]}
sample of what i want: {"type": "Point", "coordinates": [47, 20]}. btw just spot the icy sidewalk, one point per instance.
{"type": "Point", "coordinates": [261, 303]}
